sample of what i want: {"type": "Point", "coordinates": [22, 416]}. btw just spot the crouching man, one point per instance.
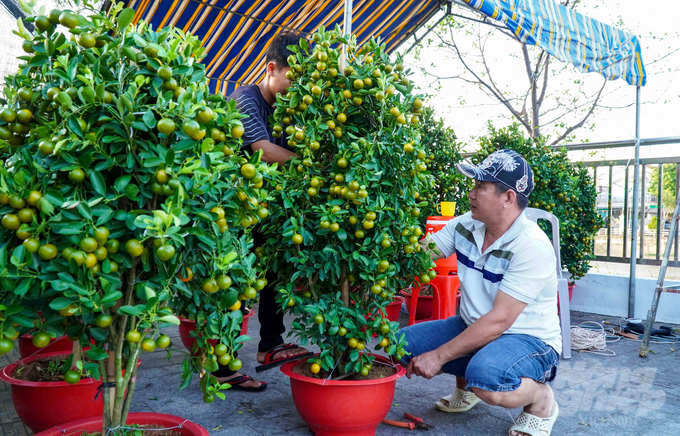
{"type": "Point", "coordinates": [504, 346]}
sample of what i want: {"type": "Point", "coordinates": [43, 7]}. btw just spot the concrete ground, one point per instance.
{"type": "Point", "coordinates": [598, 395]}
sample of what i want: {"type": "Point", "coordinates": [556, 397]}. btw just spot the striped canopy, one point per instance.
{"type": "Point", "coordinates": [237, 33]}
{"type": "Point", "coordinates": [569, 36]}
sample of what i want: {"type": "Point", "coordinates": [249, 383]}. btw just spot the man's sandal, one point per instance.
{"type": "Point", "coordinates": [459, 401]}
{"type": "Point", "coordinates": [236, 384]}
{"type": "Point", "coordinates": [535, 426]}
{"type": "Point", "coordinates": [270, 362]}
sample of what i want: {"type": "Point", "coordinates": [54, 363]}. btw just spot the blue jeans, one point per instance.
{"type": "Point", "coordinates": [499, 366]}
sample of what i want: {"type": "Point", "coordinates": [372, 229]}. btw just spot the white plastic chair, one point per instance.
{"type": "Point", "coordinates": [562, 284]}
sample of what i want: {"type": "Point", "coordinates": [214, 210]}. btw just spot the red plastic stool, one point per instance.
{"type": "Point", "coordinates": [445, 295]}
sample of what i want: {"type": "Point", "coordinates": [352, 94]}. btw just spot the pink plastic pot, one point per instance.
{"type": "Point", "coordinates": [89, 425]}
{"type": "Point", "coordinates": [342, 408]}
{"type": "Point", "coordinates": [187, 326]}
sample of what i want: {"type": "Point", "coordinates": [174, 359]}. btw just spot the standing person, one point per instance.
{"type": "Point", "coordinates": [257, 102]}
{"type": "Point", "coordinates": [505, 345]}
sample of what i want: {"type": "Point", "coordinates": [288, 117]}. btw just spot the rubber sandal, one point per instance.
{"type": "Point", "coordinates": [459, 401]}
{"type": "Point", "coordinates": [533, 425]}
{"type": "Point", "coordinates": [269, 363]}
{"type": "Point", "coordinates": [236, 383]}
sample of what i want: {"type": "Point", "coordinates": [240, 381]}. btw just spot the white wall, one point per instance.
{"type": "Point", "coordinates": [608, 295]}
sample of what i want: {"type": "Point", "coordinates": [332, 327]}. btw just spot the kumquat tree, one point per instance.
{"type": "Point", "coordinates": [123, 198]}
{"type": "Point", "coordinates": [348, 207]}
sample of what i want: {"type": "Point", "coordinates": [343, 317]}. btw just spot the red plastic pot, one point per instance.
{"type": "Point", "coordinates": [41, 405]}
{"type": "Point", "coordinates": [61, 344]}
{"type": "Point", "coordinates": [571, 294]}
{"type": "Point", "coordinates": [342, 408]}
{"type": "Point", "coordinates": [394, 308]}
{"type": "Point", "coordinates": [187, 326]}
{"type": "Point", "coordinates": [57, 402]}
{"type": "Point", "coordinates": [180, 425]}
{"type": "Point", "coordinates": [424, 307]}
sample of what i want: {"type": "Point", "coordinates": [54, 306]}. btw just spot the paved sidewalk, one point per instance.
{"type": "Point", "coordinates": [598, 395]}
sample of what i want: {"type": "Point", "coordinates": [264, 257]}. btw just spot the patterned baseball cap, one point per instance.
{"type": "Point", "coordinates": [505, 166]}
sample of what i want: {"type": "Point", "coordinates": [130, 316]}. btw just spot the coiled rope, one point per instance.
{"type": "Point", "coordinates": [592, 338]}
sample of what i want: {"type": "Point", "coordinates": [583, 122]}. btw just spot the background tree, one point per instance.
{"type": "Point", "coordinates": [564, 189]}
{"type": "Point", "coordinates": [545, 96]}
{"type": "Point", "coordinates": [442, 152]}
{"type": "Point", "coordinates": [668, 186]}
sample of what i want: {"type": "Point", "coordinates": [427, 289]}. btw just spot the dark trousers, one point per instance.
{"type": "Point", "coordinates": [269, 314]}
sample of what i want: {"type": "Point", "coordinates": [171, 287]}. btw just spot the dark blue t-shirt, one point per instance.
{"type": "Point", "coordinates": [250, 102]}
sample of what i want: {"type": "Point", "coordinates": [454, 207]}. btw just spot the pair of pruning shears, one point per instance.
{"type": "Point", "coordinates": [415, 423]}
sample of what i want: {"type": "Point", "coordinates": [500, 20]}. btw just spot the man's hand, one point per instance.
{"type": "Point", "coordinates": [426, 365]}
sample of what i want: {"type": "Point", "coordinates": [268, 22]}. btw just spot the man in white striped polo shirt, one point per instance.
{"type": "Point", "coordinates": [504, 346]}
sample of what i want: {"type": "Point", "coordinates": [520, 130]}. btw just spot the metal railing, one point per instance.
{"type": "Point", "coordinates": [613, 242]}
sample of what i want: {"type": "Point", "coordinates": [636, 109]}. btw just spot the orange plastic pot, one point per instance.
{"type": "Point", "coordinates": [342, 408]}
{"type": "Point", "coordinates": [41, 405]}
{"type": "Point", "coordinates": [180, 425]}
{"type": "Point", "coordinates": [186, 326]}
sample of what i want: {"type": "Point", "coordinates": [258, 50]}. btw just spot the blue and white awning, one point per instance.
{"type": "Point", "coordinates": [570, 37]}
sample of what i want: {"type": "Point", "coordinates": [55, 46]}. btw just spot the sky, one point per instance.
{"type": "Point", "coordinates": [656, 26]}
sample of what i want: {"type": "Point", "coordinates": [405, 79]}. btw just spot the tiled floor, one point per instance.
{"type": "Point", "coordinates": [598, 395]}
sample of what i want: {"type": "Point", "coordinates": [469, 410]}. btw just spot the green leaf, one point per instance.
{"type": "Point", "coordinates": [121, 182]}
{"type": "Point", "coordinates": [98, 182]}
{"type": "Point", "coordinates": [149, 119]}
{"type": "Point", "coordinates": [65, 100]}
{"type": "Point", "coordinates": [105, 217]}
{"type": "Point", "coordinates": [84, 210]}
{"type": "Point", "coordinates": [59, 285]}
{"type": "Point", "coordinates": [95, 353]}
{"type": "Point", "coordinates": [23, 287]}
{"type": "Point", "coordinates": [55, 197]}
{"type": "Point", "coordinates": [87, 94]}
{"type": "Point", "coordinates": [111, 297]}
{"type": "Point", "coordinates": [172, 319]}
{"type": "Point", "coordinates": [129, 310]}
{"type": "Point", "coordinates": [170, 157]}
{"type": "Point", "coordinates": [125, 17]}
{"type": "Point", "coordinates": [22, 320]}
{"type": "Point", "coordinates": [45, 206]}
{"type": "Point", "coordinates": [17, 256]}
{"type": "Point", "coordinates": [131, 192]}
{"type": "Point", "coordinates": [60, 303]}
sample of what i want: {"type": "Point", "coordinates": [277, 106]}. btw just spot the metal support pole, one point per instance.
{"type": "Point", "coordinates": [636, 192]}
{"type": "Point", "coordinates": [659, 211]}
{"type": "Point", "coordinates": [347, 29]}
{"type": "Point", "coordinates": [609, 213]}
{"type": "Point", "coordinates": [625, 214]}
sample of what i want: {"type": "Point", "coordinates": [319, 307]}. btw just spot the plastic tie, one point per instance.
{"type": "Point", "coordinates": [100, 389]}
